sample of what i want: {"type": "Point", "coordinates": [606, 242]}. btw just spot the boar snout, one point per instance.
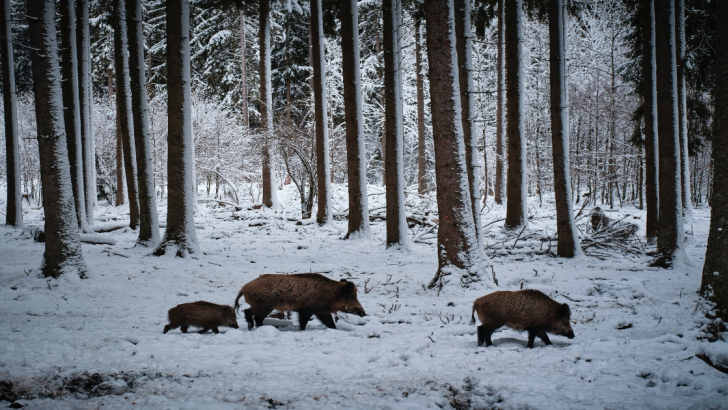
{"type": "Point", "coordinates": [570, 334]}
{"type": "Point", "coordinates": [235, 325]}
{"type": "Point", "coordinates": [360, 312]}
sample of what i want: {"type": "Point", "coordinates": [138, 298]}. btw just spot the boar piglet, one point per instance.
{"type": "Point", "coordinates": [528, 310]}
{"type": "Point", "coordinates": [308, 294]}
{"type": "Point", "coordinates": [201, 314]}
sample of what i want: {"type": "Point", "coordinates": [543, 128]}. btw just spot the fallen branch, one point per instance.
{"type": "Point", "coordinates": [710, 363]}
{"type": "Point", "coordinates": [95, 239]}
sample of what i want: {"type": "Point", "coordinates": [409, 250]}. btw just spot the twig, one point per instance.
{"type": "Point", "coordinates": [519, 236]}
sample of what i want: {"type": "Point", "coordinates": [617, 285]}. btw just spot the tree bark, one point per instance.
{"type": "Point", "coordinates": [649, 76]}
{"type": "Point", "coordinates": [123, 104]}
{"type": "Point", "coordinates": [516, 212]}
{"type": "Point", "coordinates": [568, 237]}
{"type": "Point", "coordinates": [85, 96]}
{"type": "Point", "coordinates": [14, 211]}
{"type": "Point", "coordinates": [148, 219]}
{"type": "Point", "coordinates": [394, 160]}
{"type": "Point", "coordinates": [355, 149]}
{"type": "Point", "coordinates": [670, 232]}
{"type": "Point", "coordinates": [180, 235]}
{"type": "Point", "coordinates": [244, 72]}
{"type": "Point", "coordinates": [421, 148]}
{"type": "Point", "coordinates": [714, 285]}
{"type": "Point", "coordinates": [456, 241]}
{"type": "Point", "coordinates": [266, 97]}
{"type": "Point", "coordinates": [682, 105]}
{"type": "Point", "coordinates": [62, 244]}
{"type": "Point", "coordinates": [500, 110]}
{"type": "Point", "coordinates": [323, 165]}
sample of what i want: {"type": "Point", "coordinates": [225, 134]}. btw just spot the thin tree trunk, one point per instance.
{"type": "Point", "coordinates": [323, 165]}
{"type": "Point", "coordinates": [500, 110]}
{"type": "Point", "coordinates": [649, 75]}
{"type": "Point", "coordinates": [148, 219]}
{"type": "Point", "coordinates": [62, 244]}
{"type": "Point", "coordinates": [123, 103]}
{"type": "Point", "coordinates": [120, 180]}
{"type": "Point", "coordinates": [180, 236]}
{"type": "Point", "coordinates": [516, 212]}
{"type": "Point", "coordinates": [714, 285]}
{"type": "Point", "coordinates": [384, 120]}
{"type": "Point", "coordinates": [14, 211]}
{"type": "Point", "coordinates": [670, 232]}
{"type": "Point", "coordinates": [687, 205]}
{"type": "Point", "coordinates": [394, 159]}
{"type": "Point", "coordinates": [464, 47]}
{"type": "Point", "coordinates": [266, 105]}
{"type": "Point", "coordinates": [244, 72]}
{"type": "Point", "coordinates": [85, 96]}
{"type": "Point", "coordinates": [355, 149]}
{"type": "Point", "coordinates": [456, 240]}
{"type": "Point", "coordinates": [421, 157]}
{"type": "Point", "coordinates": [568, 242]}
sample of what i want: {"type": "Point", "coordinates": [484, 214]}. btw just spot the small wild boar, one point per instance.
{"type": "Point", "coordinates": [203, 314]}
{"type": "Point", "coordinates": [529, 310]}
{"type": "Point", "coordinates": [308, 294]}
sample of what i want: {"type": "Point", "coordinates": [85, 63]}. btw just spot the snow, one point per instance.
{"type": "Point", "coordinates": [415, 349]}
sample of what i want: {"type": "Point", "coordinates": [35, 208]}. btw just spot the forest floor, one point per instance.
{"type": "Point", "coordinates": [98, 342]}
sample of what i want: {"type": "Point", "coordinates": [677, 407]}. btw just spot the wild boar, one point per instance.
{"type": "Point", "coordinates": [528, 310]}
{"type": "Point", "coordinates": [308, 294]}
{"type": "Point", "coordinates": [202, 314]}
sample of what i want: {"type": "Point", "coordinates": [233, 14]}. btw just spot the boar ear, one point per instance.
{"type": "Point", "coordinates": [564, 310]}
{"type": "Point", "coordinates": [349, 288]}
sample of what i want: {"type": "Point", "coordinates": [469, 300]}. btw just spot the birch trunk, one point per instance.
{"type": "Point", "coordinates": [266, 105]}
{"type": "Point", "coordinates": [682, 105]}
{"type": "Point", "coordinates": [323, 165]}
{"type": "Point", "coordinates": [62, 242]}
{"type": "Point", "coordinates": [85, 96]}
{"type": "Point", "coordinates": [180, 236]}
{"type": "Point", "coordinates": [355, 149]}
{"type": "Point", "coordinates": [421, 157]}
{"type": "Point", "coordinates": [148, 219]}
{"type": "Point", "coordinates": [14, 210]}
{"type": "Point", "coordinates": [244, 72]}
{"type": "Point", "coordinates": [500, 111]}
{"type": "Point", "coordinates": [649, 73]}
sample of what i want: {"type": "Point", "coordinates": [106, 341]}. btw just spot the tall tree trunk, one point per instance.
{"type": "Point", "coordinates": [148, 219]}
{"type": "Point", "coordinates": [670, 233]}
{"type": "Point", "coordinates": [568, 243]}
{"type": "Point", "coordinates": [123, 103]}
{"type": "Point", "coordinates": [682, 105]}
{"type": "Point", "coordinates": [180, 235]}
{"type": "Point", "coordinates": [516, 212]}
{"type": "Point", "coordinates": [421, 157]}
{"type": "Point", "coordinates": [394, 159]}
{"type": "Point", "coordinates": [355, 150]}
{"type": "Point", "coordinates": [500, 110]}
{"type": "Point", "coordinates": [244, 72]}
{"type": "Point", "coordinates": [85, 97]}
{"type": "Point", "coordinates": [381, 105]}
{"type": "Point", "coordinates": [266, 105]}
{"type": "Point", "coordinates": [323, 165]}
{"type": "Point", "coordinates": [714, 285]}
{"type": "Point", "coordinates": [464, 47]}
{"type": "Point", "coordinates": [649, 78]}
{"type": "Point", "coordinates": [62, 244]}
{"type": "Point", "coordinates": [14, 211]}
{"type": "Point", "coordinates": [120, 180]}
{"type": "Point", "coordinates": [457, 244]}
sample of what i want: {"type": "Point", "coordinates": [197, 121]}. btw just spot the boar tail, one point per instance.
{"type": "Point", "coordinates": [237, 300]}
{"type": "Point", "coordinates": [472, 316]}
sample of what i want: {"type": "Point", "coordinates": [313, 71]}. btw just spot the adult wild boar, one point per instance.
{"type": "Point", "coordinates": [308, 294]}
{"type": "Point", "coordinates": [202, 314]}
{"type": "Point", "coordinates": [529, 310]}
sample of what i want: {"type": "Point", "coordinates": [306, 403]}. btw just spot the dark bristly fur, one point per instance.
{"type": "Point", "coordinates": [529, 310]}
{"type": "Point", "coordinates": [308, 294]}
{"type": "Point", "coordinates": [201, 314]}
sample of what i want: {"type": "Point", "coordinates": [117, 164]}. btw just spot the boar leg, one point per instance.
{"type": "Point", "coordinates": [204, 329]}
{"type": "Point", "coordinates": [326, 319]}
{"type": "Point", "coordinates": [249, 318]}
{"type": "Point", "coordinates": [543, 336]}
{"type": "Point", "coordinates": [168, 328]}
{"type": "Point", "coordinates": [184, 328]}
{"type": "Point", "coordinates": [484, 333]}
{"type": "Point", "coordinates": [259, 315]}
{"type": "Point", "coordinates": [531, 338]}
{"type": "Point", "coordinates": [215, 329]}
{"type": "Point", "coordinates": [303, 318]}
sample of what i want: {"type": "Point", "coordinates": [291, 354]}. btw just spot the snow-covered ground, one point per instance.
{"type": "Point", "coordinates": [73, 343]}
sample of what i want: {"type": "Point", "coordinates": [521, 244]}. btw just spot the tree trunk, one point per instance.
{"type": "Point", "coordinates": [85, 97]}
{"type": "Point", "coordinates": [14, 211]}
{"type": "Point", "coordinates": [120, 180]}
{"type": "Point", "coordinates": [148, 219]}
{"type": "Point", "coordinates": [384, 120]}
{"type": "Point", "coordinates": [355, 149]}
{"type": "Point", "coordinates": [464, 46]}
{"type": "Point", "coordinates": [682, 105]}
{"type": "Point", "coordinates": [568, 237]}
{"type": "Point", "coordinates": [244, 72]}
{"type": "Point", "coordinates": [323, 165]}
{"type": "Point", "coordinates": [500, 110]}
{"type": "Point", "coordinates": [123, 103]}
{"type": "Point", "coordinates": [266, 105]}
{"type": "Point", "coordinates": [516, 212]}
{"type": "Point", "coordinates": [649, 75]}
{"type": "Point", "coordinates": [714, 285]}
{"type": "Point", "coordinates": [456, 241]}
{"type": "Point", "coordinates": [180, 235]}
{"type": "Point", "coordinates": [421, 157]}
{"type": "Point", "coordinates": [62, 243]}
{"type": "Point", "coordinates": [670, 233]}
{"type": "Point", "coordinates": [394, 160]}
